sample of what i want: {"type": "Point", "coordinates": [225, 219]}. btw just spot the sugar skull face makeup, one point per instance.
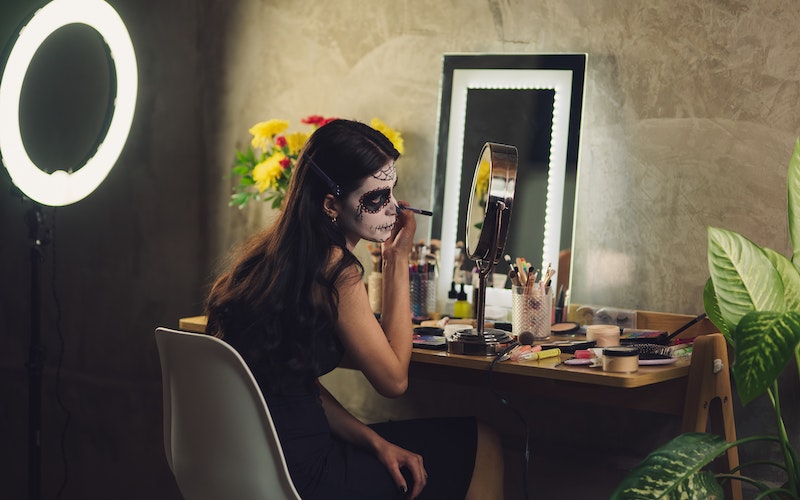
{"type": "Point", "coordinates": [370, 211]}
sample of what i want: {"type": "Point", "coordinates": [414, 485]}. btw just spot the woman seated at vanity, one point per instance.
{"type": "Point", "coordinates": [293, 304]}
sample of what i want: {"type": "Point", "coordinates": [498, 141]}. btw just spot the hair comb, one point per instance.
{"type": "Point", "coordinates": [335, 188]}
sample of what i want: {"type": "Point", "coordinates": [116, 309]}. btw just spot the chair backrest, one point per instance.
{"type": "Point", "coordinates": [219, 437]}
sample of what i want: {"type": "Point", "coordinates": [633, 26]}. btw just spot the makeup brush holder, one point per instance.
{"type": "Point", "coordinates": [531, 311]}
{"type": "Point", "coordinates": [422, 287]}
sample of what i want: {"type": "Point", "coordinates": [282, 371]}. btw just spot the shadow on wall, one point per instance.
{"type": "Point", "coordinates": [131, 256]}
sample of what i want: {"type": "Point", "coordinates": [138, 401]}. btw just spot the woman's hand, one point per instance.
{"type": "Point", "coordinates": [394, 458]}
{"type": "Point", "coordinates": [401, 241]}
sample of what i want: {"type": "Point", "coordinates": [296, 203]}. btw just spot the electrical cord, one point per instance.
{"type": "Point", "coordinates": [527, 453]}
{"type": "Point", "coordinates": [60, 334]}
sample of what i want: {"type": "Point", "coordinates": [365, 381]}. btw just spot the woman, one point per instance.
{"type": "Point", "coordinates": [293, 304]}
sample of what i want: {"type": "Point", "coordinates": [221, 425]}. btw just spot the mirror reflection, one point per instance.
{"type": "Point", "coordinates": [477, 209]}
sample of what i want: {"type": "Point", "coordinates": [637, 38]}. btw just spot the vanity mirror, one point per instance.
{"type": "Point", "coordinates": [533, 101]}
{"type": "Point", "coordinates": [488, 216]}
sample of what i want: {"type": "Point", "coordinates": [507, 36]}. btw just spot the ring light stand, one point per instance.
{"type": "Point", "coordinates": [59, 188]}
{"type": "Point", "coordinates": [488, 218]}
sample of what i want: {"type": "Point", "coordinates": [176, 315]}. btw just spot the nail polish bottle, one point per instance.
{"type": "Point", "coordinates": [452, 297]}
{"type": "Point", "coordinates": [462, 307]}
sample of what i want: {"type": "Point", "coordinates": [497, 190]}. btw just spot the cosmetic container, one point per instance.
{"type": "Point", "coordinates": [375, 291]}
{"type": "Point", "coordinates": [531, 311]}
{"type": "Point", "coordinates": [452, 297]}
{"type": "Point", "coordinates": [603, 335]}
{"type": "Point", "coordinates": [621, 359]}
{"type": "Point", "coordinates": [462, 307]}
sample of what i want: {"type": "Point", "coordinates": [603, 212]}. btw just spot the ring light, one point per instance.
{"type": "Point", "coordinates": [60, 187]}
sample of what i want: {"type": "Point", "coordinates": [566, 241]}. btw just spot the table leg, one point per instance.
{"type": "Point", "coordinates": [709, 402]}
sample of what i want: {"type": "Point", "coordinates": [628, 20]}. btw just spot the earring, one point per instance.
{"type": "Point", "coordinates": [333, 219]}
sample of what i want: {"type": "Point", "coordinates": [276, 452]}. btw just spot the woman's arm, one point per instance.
{"type": "Point", "coordinates": [382, 351]}
{"type": "Point", "coordinates": [350, 429]}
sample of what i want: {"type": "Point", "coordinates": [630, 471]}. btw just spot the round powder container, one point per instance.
{"type": "Point", "coordinates": [603, 335]}
{"type": "Point", "coordinates": [564, 328]}
{"type": "Point", "coordinates": [429, 330]}
{"type": "Point", "coordinates": [620, 359]}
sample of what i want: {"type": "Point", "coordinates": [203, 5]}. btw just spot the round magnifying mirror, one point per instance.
{"type": "Point", "coordinates": [488, 218]}
{"type": "Point", "coordinates": [491, 200]}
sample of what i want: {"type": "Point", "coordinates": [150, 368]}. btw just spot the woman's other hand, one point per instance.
{"type": "Point", "coordinates": [394, 458]}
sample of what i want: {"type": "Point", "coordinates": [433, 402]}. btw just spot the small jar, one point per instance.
{"type": "Point", "coordinates": [462, 307]}
{"type": "Point", "coordinates": [375, 292]}
{"type": "Point", "coordinates": [603, 335]}
{"type": "Point", "coordinates": [621, 359]}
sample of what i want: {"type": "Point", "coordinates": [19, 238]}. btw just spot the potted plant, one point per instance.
{"type": "Point", "coordinates": [753, 297]}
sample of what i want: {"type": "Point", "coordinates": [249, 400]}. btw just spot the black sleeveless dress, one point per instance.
{"type": "Point", "coordinates": [324, 467]}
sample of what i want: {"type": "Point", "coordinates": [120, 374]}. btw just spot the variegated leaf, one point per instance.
{"type": "Point", "coordinates": [790, 277]}
{"type": "Point", "coordinates": [744, 278]}
{"type": "Point", "coordinates": [712, 310]}
{"type": "Point", "coordinates": [702, 485]}
{"type": "Point", "coordinates": [673, 469]}
{"type": "Point", "coordinates": [765, 342]}
{"type": "Point", "coordinates": [793, 187]}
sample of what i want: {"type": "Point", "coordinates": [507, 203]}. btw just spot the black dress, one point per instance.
{"type": "Point", "coordinates": [325, 467]}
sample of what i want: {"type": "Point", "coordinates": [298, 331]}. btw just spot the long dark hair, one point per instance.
{"type": "Point", "coordinates": [277, 303]}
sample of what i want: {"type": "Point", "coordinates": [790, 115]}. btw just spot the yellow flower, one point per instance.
{"type": "Point", "coordinates": [295, 141]}
{"type": "Point", "coordinates": [263, 132]}
{"type": "Point", "coordinates": [482, 183]}
{"type": "Point", "coordinates": [265, 169]}
{"type": "Point", "coordinates": [267, 173]}
{"type": "Point", "coordinates": [391, 134]}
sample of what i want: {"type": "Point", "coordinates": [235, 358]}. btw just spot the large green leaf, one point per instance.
{"type": "Point", "coordinates": [744, 278]}
{"type": "Point", "coordinates": [765, 342]}
{"type": "Point", "coordinates": [674, 469]}
{"type": "Point", "coordinates": [793, 188]}
{"type": "Point", "coordinates": [790, 277]}
{"type": "Point", "coordinates": [711, 306]}
{"type": "Point", "coordinates": [701, 485]}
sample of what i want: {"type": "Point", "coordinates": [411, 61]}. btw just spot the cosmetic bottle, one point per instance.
{"type": "Point", "coordinates": [375, 291]}
{"type": "Point", "coordinates": [452, 296]}
{"type": "Point", "coordinates": [462, 308]}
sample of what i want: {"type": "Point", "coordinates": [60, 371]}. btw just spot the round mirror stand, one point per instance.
{"type": "Point", "coordinates": [482, 341]}
{"type": "Point", "coordinates": [488, 218]}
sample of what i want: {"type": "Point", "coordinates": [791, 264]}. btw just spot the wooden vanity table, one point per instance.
{"type": "Point", "coordinates": [690, 389]}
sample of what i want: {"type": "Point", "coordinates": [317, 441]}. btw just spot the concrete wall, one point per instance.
{"type": "Point", "coordinates": [689, 121]}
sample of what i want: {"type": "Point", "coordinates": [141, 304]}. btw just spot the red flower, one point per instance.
{"type": "Point", "coordinates": [285, 162]}
{"type": "Point", "coordinates": [316, 120]}
{"type": "Point", "coordinates": [280, 141]}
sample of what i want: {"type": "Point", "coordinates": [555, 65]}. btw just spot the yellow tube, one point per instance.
{"type": "Point", "coordinates": [547, 353]}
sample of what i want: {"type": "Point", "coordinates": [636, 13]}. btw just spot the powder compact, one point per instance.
{"type": "Point", "coordinates": [620, 359]}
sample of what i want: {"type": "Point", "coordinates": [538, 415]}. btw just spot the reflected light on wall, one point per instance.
{"type": "Point", "coordinates": [60, 187]}
{"type": "Point", "coordinates": [609, 269]}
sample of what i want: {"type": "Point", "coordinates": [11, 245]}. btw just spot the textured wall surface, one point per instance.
{"type": "Point", "coordinates": [689, 121]}
{"type": "Point", "coordinates": [688, 115]}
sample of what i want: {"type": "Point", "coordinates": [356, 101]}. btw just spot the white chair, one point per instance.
{"type": "Point", "coordinates": [219, 437]}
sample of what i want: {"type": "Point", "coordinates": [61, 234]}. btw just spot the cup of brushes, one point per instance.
{"type": "Point", "coordinates": [531, 300]}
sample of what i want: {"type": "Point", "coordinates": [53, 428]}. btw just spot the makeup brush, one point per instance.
{"type": "Point", "coordinates": [416, 210]}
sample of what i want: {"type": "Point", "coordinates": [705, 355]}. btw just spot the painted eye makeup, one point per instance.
{"type": "Point", "coordinates": [373, 201]}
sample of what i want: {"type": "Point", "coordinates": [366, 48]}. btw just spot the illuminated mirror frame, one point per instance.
{"type": "Point", "coordinates": [62, 188]}
{"type": "Point", "coordinates": [562, 73]}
